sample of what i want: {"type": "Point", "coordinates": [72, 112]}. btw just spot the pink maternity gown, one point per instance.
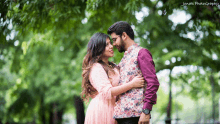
{"type": "Point", "coordinates": [101, 107]}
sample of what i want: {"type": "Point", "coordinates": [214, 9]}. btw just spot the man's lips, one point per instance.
{"type": "Point", "coordinates": [117, 47]}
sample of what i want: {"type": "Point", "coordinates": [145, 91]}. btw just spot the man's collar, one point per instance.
{"type": "Point", "coordinates": [131, 48]}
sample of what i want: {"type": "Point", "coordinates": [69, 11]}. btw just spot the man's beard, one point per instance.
{"type": "Point", "coordinates": [121, 48]}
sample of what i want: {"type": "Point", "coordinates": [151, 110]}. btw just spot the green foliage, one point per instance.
{"type": "Point", "coordinates": [44, 68]}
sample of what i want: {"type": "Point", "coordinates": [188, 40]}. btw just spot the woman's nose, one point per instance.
{"type": "Point", "coordinates": [111, 46]}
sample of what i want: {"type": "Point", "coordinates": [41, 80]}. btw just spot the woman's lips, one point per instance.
{"type": "Point", "coordinates": [111, 51]}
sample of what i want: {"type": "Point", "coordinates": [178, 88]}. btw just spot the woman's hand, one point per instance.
{"type": "Point", "coordinates": [137, 81]}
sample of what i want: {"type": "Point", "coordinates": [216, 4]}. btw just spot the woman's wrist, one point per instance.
{"type": "Point", "coordinates": [131, 84]}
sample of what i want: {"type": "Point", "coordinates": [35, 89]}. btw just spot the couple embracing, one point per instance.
{"type": "Point", "coordinates": [123, 93]}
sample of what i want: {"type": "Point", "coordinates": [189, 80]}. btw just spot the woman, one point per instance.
{"type": "Point", "coordinates": [100, 81]}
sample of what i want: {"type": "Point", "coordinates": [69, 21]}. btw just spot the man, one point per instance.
{"type": "Point", "coordinates": [135, 105]}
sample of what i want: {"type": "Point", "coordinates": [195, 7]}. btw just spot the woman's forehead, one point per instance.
{"type": "Point", "coordinates": [107, 40]}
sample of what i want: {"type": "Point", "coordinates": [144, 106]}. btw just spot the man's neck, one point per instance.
{"type": "Point", "coordinates": [128, 44]}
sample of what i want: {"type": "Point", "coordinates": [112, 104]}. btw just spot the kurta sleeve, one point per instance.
{"type": "Point", "coordinates": [100, 81]}
{"type": "Point", "coordinates": [146, 64]}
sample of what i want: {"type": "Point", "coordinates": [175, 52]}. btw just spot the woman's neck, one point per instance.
{"type": "Point", "coordinates": [105, 60]}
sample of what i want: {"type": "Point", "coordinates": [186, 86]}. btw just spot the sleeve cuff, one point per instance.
{"type": "Point", "coordinates": [106, 92]}
{"type": "Point", "coordinates": [147, 106]}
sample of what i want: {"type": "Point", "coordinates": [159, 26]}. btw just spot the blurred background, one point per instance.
{"type": "Point", "coordinates": [43, 42]}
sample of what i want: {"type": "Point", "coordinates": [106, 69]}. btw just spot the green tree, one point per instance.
{"type": "Point", "coordinates": [43, 59]}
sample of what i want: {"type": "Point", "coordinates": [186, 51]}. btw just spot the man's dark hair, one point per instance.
{"type": "Point", "coordinates": [119, 27]}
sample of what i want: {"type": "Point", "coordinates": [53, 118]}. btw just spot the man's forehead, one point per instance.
{"type": "Point", "coordinates": [113, 34]}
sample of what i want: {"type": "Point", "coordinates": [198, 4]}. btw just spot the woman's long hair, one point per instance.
{"type": "Point", "coordinates": [95, 48]}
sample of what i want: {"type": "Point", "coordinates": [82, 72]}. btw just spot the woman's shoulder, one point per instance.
{"type": "Point", "coordinates": [96, 69]}
{"type": "Point", "coordinates": [100, 66]}
{"type": "Point", "coordinates": [96, 66]}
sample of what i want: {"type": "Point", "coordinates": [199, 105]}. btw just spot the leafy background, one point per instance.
{"type": "Point", "coordinates": [43, 42]}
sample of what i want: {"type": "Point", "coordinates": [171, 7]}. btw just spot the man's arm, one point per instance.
{"type": "Point", "coordinates": [146, 64]}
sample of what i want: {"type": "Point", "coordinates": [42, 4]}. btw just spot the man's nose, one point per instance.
{"type": "Point", "coordinates": [114, 44]}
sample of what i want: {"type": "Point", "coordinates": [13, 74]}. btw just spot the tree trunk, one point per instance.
{"type": "Point", "coordinates": [55, 118]}
{"type": "Point", "coordinates": [60, 116]}
{"type": "Point", "coordinates": [42, 110]}
{"type": "Point", "coordinates": [168, 118]}
{"type": "Point", "coordinates": [51, 114]}
{"type": "Point", "coordinates": [219, 110]}
{"type": "Point", "coordinates": [55, 114]}
{"type": "Point", "coordinates": [213, 97]}
{"type": "Point", "coordinates": [80, 115]}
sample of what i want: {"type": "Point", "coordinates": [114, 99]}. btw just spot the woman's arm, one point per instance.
{"type": "Point", "coordinates": [137, 81]}
{"type": "Point", "coordinates": [101, 83]}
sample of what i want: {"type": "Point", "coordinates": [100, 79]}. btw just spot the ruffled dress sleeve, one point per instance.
{"type": "Point", "coordinates": [100, 81]}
